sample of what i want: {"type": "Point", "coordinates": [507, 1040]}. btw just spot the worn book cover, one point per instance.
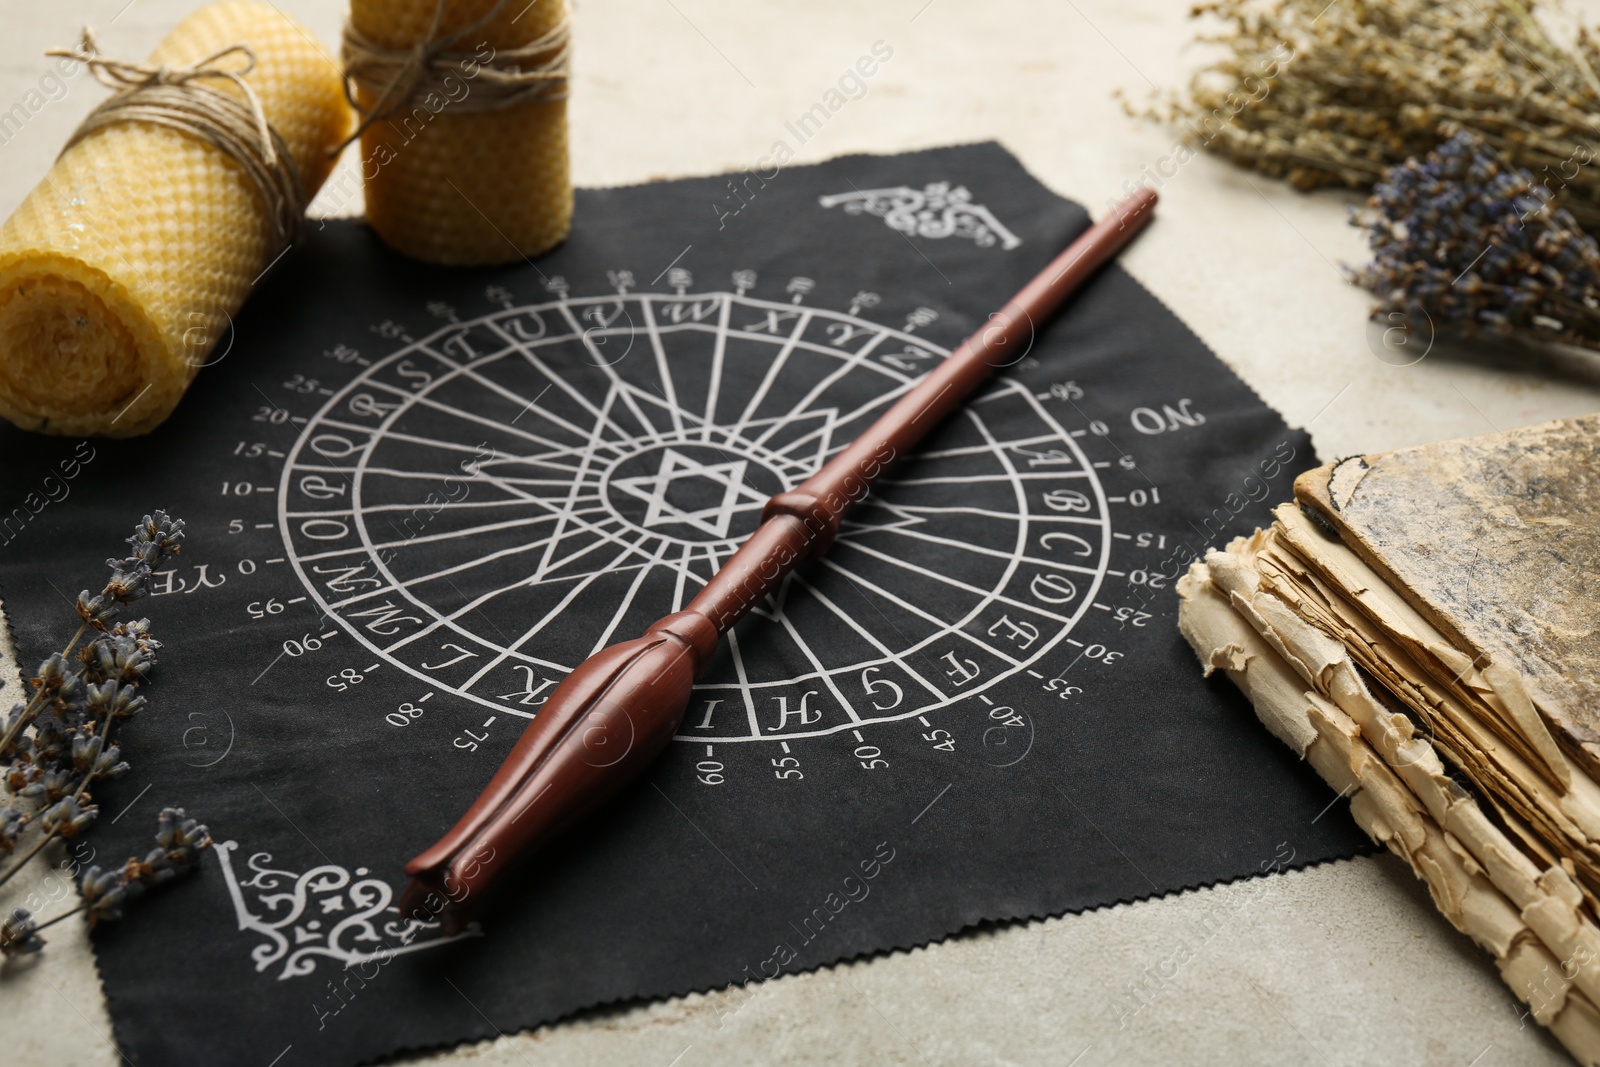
{"type": "Point", "coordinates": [1496, 541]}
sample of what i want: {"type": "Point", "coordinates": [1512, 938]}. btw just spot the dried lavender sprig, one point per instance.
{"type": "Point", "coordinates": [157, 538]}
{"type": "Point", "coordinates": [179, 842]}
{"type": "Point", "coordinates": [86, 694]}
{"type": "Point", "coordinates": [1477, 246]}
{"type": "Point", "coordinates": [103, 894]}
{"type": "Point", "coordinates": [69, 751]}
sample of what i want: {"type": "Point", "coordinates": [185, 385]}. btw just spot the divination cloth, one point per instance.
{"type": "Point", "coordinates": [417, 496]}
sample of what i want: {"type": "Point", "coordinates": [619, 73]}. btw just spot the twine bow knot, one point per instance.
{"type": "Point", "coordinates": [394, 77]}
{"type": "Point", "coordinates": [124, 77]}
{"type": "Point", "coordinates": [174, 97]}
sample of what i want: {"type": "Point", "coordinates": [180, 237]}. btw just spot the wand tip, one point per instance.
{"type": "Point", "coordinates": [426, 899]}
{"type": "Point", "coordinates": [1136, 207]}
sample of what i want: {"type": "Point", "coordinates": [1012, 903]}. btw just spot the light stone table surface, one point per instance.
{"type": "Point", "coordinates": [1346, 963]}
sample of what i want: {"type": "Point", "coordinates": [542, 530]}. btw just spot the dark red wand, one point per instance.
{"type": "Point", "coordinates": [614, 714]}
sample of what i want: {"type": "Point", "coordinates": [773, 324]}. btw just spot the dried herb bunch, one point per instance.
{"type": "Point", "coordinates": [1478, 247]}
{"type": "Point", "coordinates": [1333, 94]}
{"type": "Point", "coordinates": [57, 744]}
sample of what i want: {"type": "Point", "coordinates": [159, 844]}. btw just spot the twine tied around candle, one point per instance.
{"type": "Point", "coordinates": [397, 77]}
{"type": "Point", "coordinates": [175, 98]}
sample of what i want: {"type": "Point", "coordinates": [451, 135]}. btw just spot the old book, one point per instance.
{"type": "Point", "coordinates": [1495, 540]}
{"type": "Point", "coordinates": [1420, 625]}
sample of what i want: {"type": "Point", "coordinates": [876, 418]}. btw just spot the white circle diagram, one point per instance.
{"type": "Point", "coordinates": [487, 506]}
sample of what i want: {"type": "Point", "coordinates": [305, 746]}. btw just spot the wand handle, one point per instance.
{"type": "Point", "coordinates": [611, 717]}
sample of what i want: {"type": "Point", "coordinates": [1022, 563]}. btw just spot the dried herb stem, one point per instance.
{"type": "Point", "coordinates": [35, 703]}
{"type": "Point", "coordinates": [80, 907]}
{"type": "Point", "coordinates": [32, 852]}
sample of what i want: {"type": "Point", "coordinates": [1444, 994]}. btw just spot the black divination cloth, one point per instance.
{"type": "Point", "coordinates": [416, 497]}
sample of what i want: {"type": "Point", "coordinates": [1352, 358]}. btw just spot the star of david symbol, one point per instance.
{"type": "Point", "coordinates": [680, 472]}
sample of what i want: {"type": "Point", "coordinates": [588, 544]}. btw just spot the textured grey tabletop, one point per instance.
{"type": "Point", "coordinates": [1341, 964]}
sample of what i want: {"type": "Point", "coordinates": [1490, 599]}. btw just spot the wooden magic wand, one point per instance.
{"type": "Point", "coordinates": [614, 714]}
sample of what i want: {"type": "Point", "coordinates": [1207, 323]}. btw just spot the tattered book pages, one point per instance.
{"type": "Point", "coordinates": [1496, 541]}
{"type": "Point", "coordinates": [1326, 584]}
{"type": "Point", "coordinates": [1390, 774]}
{"type": "Point", "coordinates": [1435, 606]}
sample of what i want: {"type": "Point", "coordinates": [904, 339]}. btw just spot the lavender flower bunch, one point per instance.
{"type": "Point", "coordinates": [1471, 243]}
{"type": "Point", "coordinates": [179, 842]}
{"type": "Point", "coordinates": [56, 744]}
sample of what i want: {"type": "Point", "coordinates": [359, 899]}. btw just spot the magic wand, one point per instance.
{"type": "Point", "coordinates": [614, 714]}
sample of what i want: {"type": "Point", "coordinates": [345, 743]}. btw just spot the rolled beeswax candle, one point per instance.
{"type": "Point", "coordinates": [123, 269]}
{"type": "Point", "coordinates": [453, 173]}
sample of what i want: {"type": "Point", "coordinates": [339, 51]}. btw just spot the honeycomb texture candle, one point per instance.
{"type": "Point", "coordinates": [449, 177]}
{"type": "Point", "coordinates": [123, 268]}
